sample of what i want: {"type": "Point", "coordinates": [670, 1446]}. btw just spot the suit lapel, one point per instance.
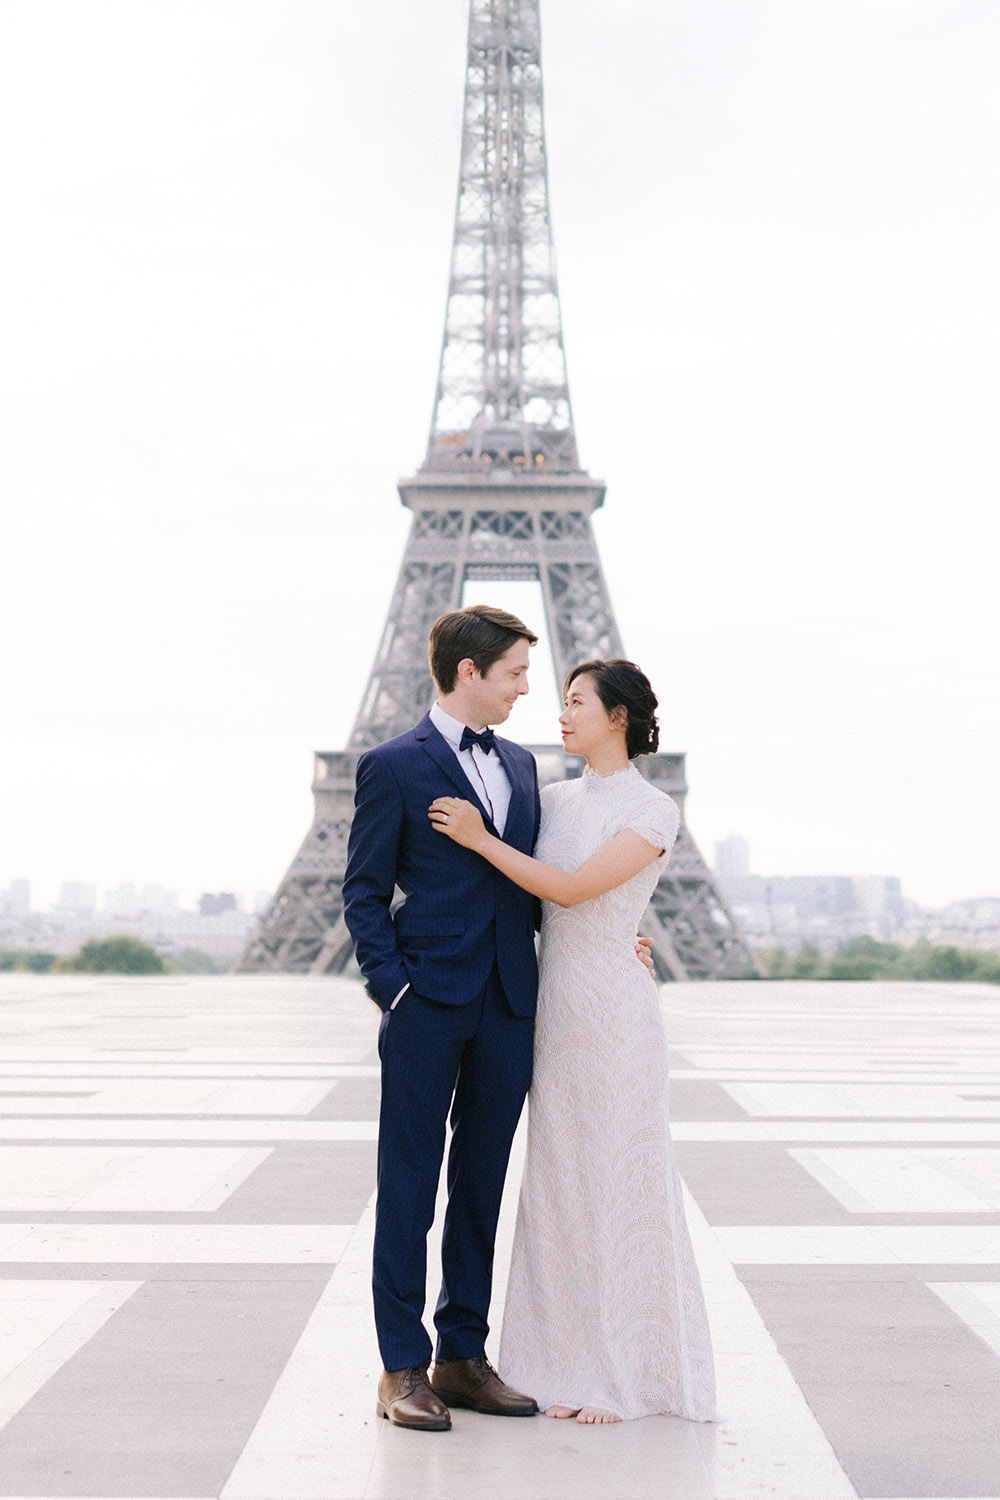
{"type": "Point", "coordinates": [444, 757]}
{"type": "Point", "coordinates": [519, 801]}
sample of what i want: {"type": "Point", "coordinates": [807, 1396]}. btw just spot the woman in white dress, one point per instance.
{"type": "Point", "coordinates": [605, 1316]}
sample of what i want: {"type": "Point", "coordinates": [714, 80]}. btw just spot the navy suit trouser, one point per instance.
{"type": "Point", "coordinates": [475, 1060]}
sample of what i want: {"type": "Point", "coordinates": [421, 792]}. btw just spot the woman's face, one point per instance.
{"type": "Point", "coordinates": [585, 722]}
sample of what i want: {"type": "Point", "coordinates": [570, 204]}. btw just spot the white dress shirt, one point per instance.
{"type": "Point", "coordinates": [485, 773]}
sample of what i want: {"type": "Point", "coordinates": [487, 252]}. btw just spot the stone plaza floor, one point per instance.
{"type": "Point", "coordinates": [186, 1177]}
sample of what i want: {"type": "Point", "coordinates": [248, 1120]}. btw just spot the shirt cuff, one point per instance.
{"type": "Point", "coordinates": [399, 996]}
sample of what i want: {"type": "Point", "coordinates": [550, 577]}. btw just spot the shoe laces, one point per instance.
{"type": "Point", "coordinates": [411, 1377]}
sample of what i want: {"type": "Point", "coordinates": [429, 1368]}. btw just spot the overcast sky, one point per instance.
{"type": "Point", "coordinates": [226, 235]}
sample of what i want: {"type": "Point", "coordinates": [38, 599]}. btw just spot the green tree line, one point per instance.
{"type": "Point", "coordinates": [867, 958]}
{"type": "Point", "coordinates": [112, 955]}
{"type": "Point", "coordinates": [861, 958]}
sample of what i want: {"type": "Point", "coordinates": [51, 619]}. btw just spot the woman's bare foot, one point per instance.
{"type": "Point", "coordinates": [561, 1411]}
{"type": "Point", "coordinates": [596, 1414]}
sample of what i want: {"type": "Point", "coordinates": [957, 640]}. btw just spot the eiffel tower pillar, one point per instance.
{"type": "Point", "coordinates": [500, 496]}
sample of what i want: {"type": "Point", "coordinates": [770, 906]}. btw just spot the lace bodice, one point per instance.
{"type": "Point", "coordinates": [578, 818]}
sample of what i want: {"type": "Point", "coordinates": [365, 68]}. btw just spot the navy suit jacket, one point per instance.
{"type": "Point", "coordinates": [460, 914]}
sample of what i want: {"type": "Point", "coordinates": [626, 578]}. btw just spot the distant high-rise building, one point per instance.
{"type": "Point", "coordinates": [157, 900]}
{"type": "Point", "coordinates": [77, 898]}
{"type": "Point", "coordinates": [15, 901]}
{"type": "Point", "coordinates": [122, 900]}
{"type": "Point", "coordinates": [732, 859]}
{"type": "Point", "coordinates": [217, 903]}
{"type": "Point", "coordinates": [828, 896]}
{"type": "Point", "coordinates": [879, 898]}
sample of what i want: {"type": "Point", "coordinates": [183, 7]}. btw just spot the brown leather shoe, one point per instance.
{"type": "Point", "coordinates": [475, 1384]}
{"type": "Point", "coordinates": [406, 1400]}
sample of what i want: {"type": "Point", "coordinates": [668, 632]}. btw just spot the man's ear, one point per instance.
{"type": "Point", "coordinates": [466, 670]}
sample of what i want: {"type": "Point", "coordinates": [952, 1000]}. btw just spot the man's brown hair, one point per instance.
{"type": "Point", "coordinates": [482, 633]}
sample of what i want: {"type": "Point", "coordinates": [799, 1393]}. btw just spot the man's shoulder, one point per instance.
{"type": "Point", "coordinates": [400, 744]}
{"type": "Point", "coordinates": [393, 746]}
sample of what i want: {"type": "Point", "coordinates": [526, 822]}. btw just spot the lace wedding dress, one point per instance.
{"type": "Point", "coordinates": [604, 1302]}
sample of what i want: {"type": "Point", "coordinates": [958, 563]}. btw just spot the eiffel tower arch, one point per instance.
{"type": "Point", "coordinates": [499, 496]}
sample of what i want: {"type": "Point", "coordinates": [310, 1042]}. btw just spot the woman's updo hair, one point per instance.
{"type": "Point", "coordinates": [620, 684]}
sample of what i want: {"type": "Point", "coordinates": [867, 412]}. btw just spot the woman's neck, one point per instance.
{"type": "Point", "coordinates": [608, 760]}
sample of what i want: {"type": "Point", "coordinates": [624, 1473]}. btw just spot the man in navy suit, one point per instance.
{"type": "Point", "coordinates": [453, 971]}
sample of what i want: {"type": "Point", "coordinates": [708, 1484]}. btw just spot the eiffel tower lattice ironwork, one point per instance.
{"type": "Point", "coordinates": [500, 495]}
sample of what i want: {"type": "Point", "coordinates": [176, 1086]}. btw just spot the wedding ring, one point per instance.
{"type": "Point", "coordinates": [444, 817]}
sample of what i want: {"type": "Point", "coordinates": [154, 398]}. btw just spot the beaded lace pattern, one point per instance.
{"type": "Point", "coordinates": [604, 1302]}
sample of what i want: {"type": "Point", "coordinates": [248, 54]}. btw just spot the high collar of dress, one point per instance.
{"type": "Point", "coordinates": [596, 779]}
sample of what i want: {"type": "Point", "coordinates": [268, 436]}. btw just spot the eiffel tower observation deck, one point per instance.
{"type": "Point", "coordinates": [500, 495]}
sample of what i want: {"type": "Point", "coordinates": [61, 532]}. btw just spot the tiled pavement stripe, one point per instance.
{"type": "Point", "coordinates": [755, 1184]}
{"type": "Point", "coordinates": [879, 1244]}
{"type": "Point", "coordinates": [733, 1127]}
{"type": "Point", "coordinates": [192, 1131]}
{"type": "Point", "coordinates": [86, 1178]}
{"type": "Point", "coordinates": [351, 1099]}
{"type": "Point", "coordinates": [163, 1397]}
{"type": "Point", "coordinates": [187, 1061]}
{"type": "Point", "coordinates": [888, 1430]}
{"type": "Point", "coordinates": [212, 1068]}
{"type": "Point", "coordinates": [806, 1132]}
{"type": "Point", "coordinates": [955, 1082]}
{"type": "Point", "coordinates": [922, 1271]}
{"type": "Point", "coordinates": [44, 1323]}
{"type": "Point", "coordinates": [891, 1179]}
{"type": "Point", "coordinates": [765, 1183]}
{"type": "Point", "coordinates": [326, 1183]}
{"type": "Point", "coordinates": [197, 1073]}
{"type": "Point", "coordinates": [307, 1183]}
{"type": "Point", "coordinates": [853, 1348]}
{"type": "Point", "coordinates": [313, 1439]}
{"type": "Point", "coordinates": [186, 1130]}
{"type": "Point", "coordinates": [702, 1099]}
{"type": "Point", "coordinates": [242, 1098]}
{"type": "Point", "coordinates": [768, 1442]}
{"type": "Point", "coordinates": [162, 1244]}
{"type": "Point", "coordinates": [180, 1270]}
{"type": "Point", "coordinates": [883, 1118]}
{"type": "Point", "coordinates": [293, 1172]}
{"type": "Point", "coordinates": [977, 1305]}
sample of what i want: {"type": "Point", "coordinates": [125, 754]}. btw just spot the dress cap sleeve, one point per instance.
{"type": "Point", "coordinates": [656, 819]}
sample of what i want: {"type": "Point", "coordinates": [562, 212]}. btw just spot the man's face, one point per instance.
{"type": "Point", "coordinates": [498, 689]}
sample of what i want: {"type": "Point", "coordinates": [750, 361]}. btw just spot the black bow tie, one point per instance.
{"type": "Point", "coordinates": [486, 740]}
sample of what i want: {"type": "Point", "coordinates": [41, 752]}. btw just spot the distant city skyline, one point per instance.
{"type": "Point", "coordinates": [731, 861]}
{"type": "Point", "coordinates": [123, 897]}
{"type": "Point", "coordinates": [831, 909]}
{"type": "Point", "coordinates": [824, 911]}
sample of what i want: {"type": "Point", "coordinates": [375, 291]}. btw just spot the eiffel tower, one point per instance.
{"type": "Point", "coordinates": [500, 495]}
